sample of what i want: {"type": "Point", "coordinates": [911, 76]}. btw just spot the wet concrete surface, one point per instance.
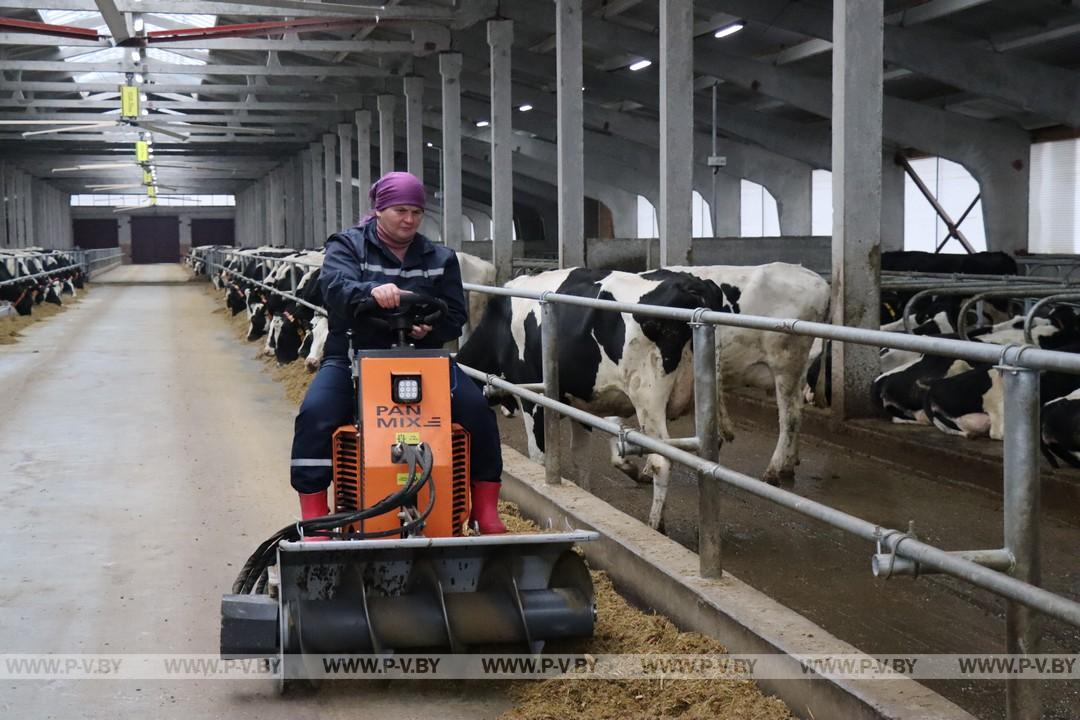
{"type": "Point", "coordinates": [824, 573]}
{"type": "Point", "coordinates": [143, 456]}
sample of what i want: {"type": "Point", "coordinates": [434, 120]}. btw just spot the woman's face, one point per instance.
{"type": "Point", "coordinates": [400, 222]}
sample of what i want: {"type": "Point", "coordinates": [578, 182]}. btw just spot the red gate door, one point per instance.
{"type": "Point", "coordinates": [155, 239]}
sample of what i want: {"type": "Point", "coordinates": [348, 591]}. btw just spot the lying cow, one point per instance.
{"type": "Point", "coordinates": [1061, 430]}
{"type": "Point", "coordinates": [609, 363]}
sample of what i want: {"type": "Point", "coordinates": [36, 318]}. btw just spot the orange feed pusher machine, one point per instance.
{"type": "Point", "coordinates": [397, 571]}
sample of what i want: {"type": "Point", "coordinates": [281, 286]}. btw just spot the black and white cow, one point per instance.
{"type": "Point", "coordinates": [618, 364]}
{"type": "Point", "coordinates": [1061, 430]}
{"type": "Point", "coordinates": [767, 360]}
{"type": "Point", "coordinates": [980, 263]}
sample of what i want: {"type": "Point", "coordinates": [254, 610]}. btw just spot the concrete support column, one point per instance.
{"type": "Point", "coordinates": [308, 214]}
{"type": "Point", "coordinates": [414, 125]}
{"type": "Point", "coordinates": [5, 234]}
{"type": "Point", "coordinates": [892, 204]}
{"type": "Point", "coordinates": [501, 39]}
{"type": "Point", "coordinates": [386, 104]}
{"type": "Point", "coordinates": [185, 235]}
{"type": "Point", "coordinates": [571, 133]}
{"type": "Point", "coordinates": [363, 160]}
{"type": "Point", "coordinates": [727, 213]}
{"type": "Point", "coordinates": [450, 69]}
{"type": "Point", "coordinates": [294, 203]}
{"type": "Point", "coordinates": [318, 196]}
{"type": "Point", "coordinates": [124, 238]}
{"type": "Point", "coordinates": [347, 191]}
{"type": "Point", "coordinates": [330, 189]}
{"type": "Point", "coordinates": [676, 130]}
{"type": "Point", "coordinates": [275, 207]}
{"type": "Point", "coordinates": [794, 202]}
{"type": "Point", "coordinates": [856, 152]}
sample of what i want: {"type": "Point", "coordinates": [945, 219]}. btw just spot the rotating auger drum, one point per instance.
{"type": "Point", "coordinates": [394, 570]}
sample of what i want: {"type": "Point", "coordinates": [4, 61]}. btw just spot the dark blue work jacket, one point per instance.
{"type": "Point", "coordinates": [356, 262]}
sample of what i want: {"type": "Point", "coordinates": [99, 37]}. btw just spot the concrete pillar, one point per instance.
{"type": "Point", "coordinates": [726, 209]}
{"type": "Point", "coordinates": [124, 237]}
{"type": "Point", "coordinates": [346, 188]}
{"type": "Point", "coordinates": [676, 130]}
{"type": "Point", "coordinates": [414, 124]}
{"type": "Point", "coordinates": [318, 196]}
{"type": "Point", "coordinates": [294, 203]}
{"type": "Point", "coordinates": [571, 133]}
{"type": "Point", "coordinates": [275, 207]}
{"type": "Point", "coordinates": [1005, 188]}
{"type": "Point", "coordinates": [892, 204]}
{"type": "Point", "coordinates": [794, 203]}
{"type": "Point", "coordinates": [450, 182]}
{"type": "Point", "coordinates": [185, 235]}
{"type": "Point", "coordinates": [330, 190]}
{"type": "Point", "coordinates": [386, 105]}
{"type": "Point", "coordinates": [856, 152]}
{"type": "Point", "coordinates": [5, 234]}
{"type": "Point", "coordinates": [363, 160]}
{"type": "Point", "coordinates": [501, 38]}
{"type": "Point", "coordinates": [308, 222]}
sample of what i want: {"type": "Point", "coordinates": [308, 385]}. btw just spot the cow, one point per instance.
{"type": "Point", "coordinates": [621, 364]}
{"type": "Point", "coordinates": [972, 403]}
{"type": "Point", "coordinates": [903, 392]}
{"type": "Point", "coordinates": [767, 360]}
{"type": "Point", "coordinates": [1060, 431]}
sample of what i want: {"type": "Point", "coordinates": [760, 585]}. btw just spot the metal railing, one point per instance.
{"type": "Point", "coordinates": [95, 262]}
{"type": "Point", "coordinates": [1011, 572]}
{"type": "Point", "coordinates": [212, 258]}
{"type": "Point", "coordinates": [46, 273]}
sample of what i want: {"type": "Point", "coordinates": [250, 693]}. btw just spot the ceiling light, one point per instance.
{"type": "Point", "coordinates": [138, 78]}
{"type": "Point", "coordinates": [525, 108]}
{"type": "Point", "coordinates": [640, 65]}
{"type": "Point", "coordinates": [135, 56]}
{"type": "Point", "coordinates": [430, 144]}
{"type": "Point", "coordinates": [482, 123]}
{"type": "Point", "coordinates": [142, 96]}
{"type": "Point", "coordinates": [729, 29]}
{"type": "Point", "coordinates": [138, 24]}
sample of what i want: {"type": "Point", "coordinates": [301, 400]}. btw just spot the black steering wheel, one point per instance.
{"type": "Point", "coordinates": [413, 309]}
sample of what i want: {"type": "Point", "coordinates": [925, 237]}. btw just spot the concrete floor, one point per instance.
{"type": "Point", "coordinates": [824, 574]}
{"type": "Point", "coordinates": [157, 273]}
{"type": "Point", "coordinates": [143, 455]}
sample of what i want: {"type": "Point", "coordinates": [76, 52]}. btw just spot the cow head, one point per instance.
{"type": "Point", "coordinates": [320, 330]}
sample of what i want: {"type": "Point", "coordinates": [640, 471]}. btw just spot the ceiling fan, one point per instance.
{"type": "Point", "coordinates": [130, 118]}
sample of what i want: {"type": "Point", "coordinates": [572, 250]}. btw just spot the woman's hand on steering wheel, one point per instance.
{"type": "Point", "coordinates": [387, 295]}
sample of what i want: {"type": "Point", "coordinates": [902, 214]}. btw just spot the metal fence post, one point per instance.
{"type": "Point", "coordinates": [707, 431]}
{"type": "Point", "coordinates": [292, 277]}
{"type": "Point", "coordinates": [1021, 511]}
{"type": "Point", "coordinates": [549, 353]}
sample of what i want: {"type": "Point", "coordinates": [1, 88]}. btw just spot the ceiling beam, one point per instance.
{"type": "Point", "coordinates": [151, 67]}
{"type": "Point", "coordinates": [254, 8]}
{"type": "Point", "coordinates": [422, 45]}
{"type": "Point", "coordinates": [118, 22]}
{"type": "Point", "coordinates": [186, 105]}
{"type": "Point", "coordinates": [356, 90]}
{"type": "Point", "coordinates": [1045, 89]}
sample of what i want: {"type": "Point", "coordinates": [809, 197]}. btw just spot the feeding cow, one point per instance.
{"type": "Point", "coordinates": [610, 363]}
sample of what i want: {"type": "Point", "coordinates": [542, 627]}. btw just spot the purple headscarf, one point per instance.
{"type": "Point", "coordinates": [395, 188]}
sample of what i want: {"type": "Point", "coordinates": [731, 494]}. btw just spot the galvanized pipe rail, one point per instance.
{"type": "Point", "coordinates": [211, 265]}
{"type": "Point", "coordinates": [47, 273]}
{"type": "Point", "coordinates": [1029, 318]}
{"type": "Point", "coordinates": [1012, 572]}
{"type": "Point", "coordinates": [1018, 290]}
{"type": "Point", "coordinates": [1035, 292]}
{"type": "Point", "coordinates": [106, 256]}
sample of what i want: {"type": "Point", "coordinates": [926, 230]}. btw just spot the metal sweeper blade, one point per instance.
{"type": "Point", "coordinates": [399, 595]}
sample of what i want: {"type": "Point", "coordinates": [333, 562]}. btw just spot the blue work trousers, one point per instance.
{"type": "Point", "coordinates": [329, 404]}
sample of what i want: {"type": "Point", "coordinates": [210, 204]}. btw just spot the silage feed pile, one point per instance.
{"type": "Point", "coordinates": [620, 628]}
